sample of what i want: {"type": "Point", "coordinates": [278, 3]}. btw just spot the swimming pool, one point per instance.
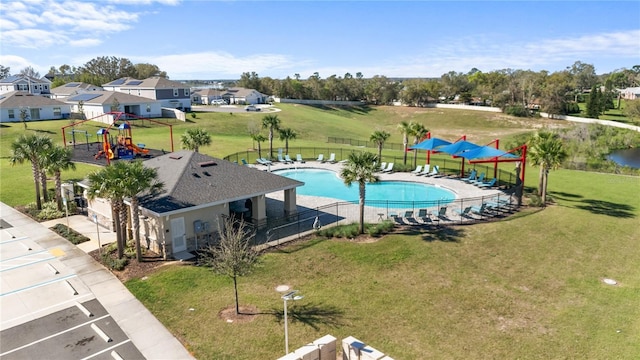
{"type": "Point", "coordinates": [327, 183]}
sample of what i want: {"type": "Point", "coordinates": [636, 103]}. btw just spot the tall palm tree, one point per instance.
{"type": "Point", "coordinates": [43, 176]}
{"type": "Point", "coordinates": [405, 130]}
{"type": "Point", "coordinates": [379, 137]}
{"type": "Point", "coordinates": [287, 134]}
{"type": "Point", "coordinates": [57, 159]}
{"type": "Point", "coordinates": [108, 183]}
{"type": "Point", "coordinates": [545, 151]}
{"type": "Point", "coordinates": [360, 168]}
{"type": "Point", "coordinates": [138, 179]}
{"type": "Point", "coordinates": [272, 123]}
{"type": "Point", "coordinates": [193, 139]}
{"type": "Point", "coordinates": [31, 148]}
{"type": "Point", "coordinates": [259, 138]}
{"type": "Point", "coordinates": [418, 131]}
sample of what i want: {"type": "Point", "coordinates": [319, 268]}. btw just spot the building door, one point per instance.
{"type": "Point", "coordinates": [35, 114]}
{"type": "Point", "coordinates": [178, 235]}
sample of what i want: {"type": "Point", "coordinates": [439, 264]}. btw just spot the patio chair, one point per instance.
{"type": "Point", "coordinates": [435, 171]}
{"type": "Point", "coordinates": [417, 170]}
{"type": "Point", "coordinates": [281, 160]}
{"type": "Point", "coordinates": [300, 159]}
{"type": "Point", "coordinates": [423, 216]}
{"type": "Point", "coordinates": [264, 161]}
{"type": "Point", "coordinates": [472, 176]}
{"type": "Point", "coordinates": [320, 158]}
{"type": "Point", "coordinates": [488, 184]}
{"type": "Point", "coordinates": [383, 166]}
{"type": "Point", "coordinates": [480, 210]}
{"type": "Point", "coordinates": [465, 212]}
{"type": "Point", "coordinates": [332, 158]}
{"type": "Point", "coordinates": [425, 171]}
{"type": "Point", "coordinates": [479, 180]}
{"type": "Point", "coordinates": [389, 168]}
{"type": "Point", "coordinates": [440, 213]}
{"type": "Point", "coordinates": [408, 217]}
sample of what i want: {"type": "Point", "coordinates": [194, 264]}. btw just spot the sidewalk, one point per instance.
{"type": "Point", "coordinates": [86, 227]}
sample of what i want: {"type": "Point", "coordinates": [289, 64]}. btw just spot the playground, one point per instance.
{"type": "Point", "coordinates": [111, 143]}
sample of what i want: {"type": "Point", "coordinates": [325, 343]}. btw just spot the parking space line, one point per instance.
{"type": "Point", "coordinates": [27, 264]}
{"type": "Point", "coordinates": [12, 240]}
{"type": "Point", "coordinates": [25, 255]}
{"type": "Point", "coordinates": [107, 349]}
{"type": "Point", "coordinates": [39, 285]}
{"type": "Point", "coordinates": [53, 335]}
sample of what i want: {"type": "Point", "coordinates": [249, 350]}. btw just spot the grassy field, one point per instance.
{"type": "Point", "coordinates": [529, 287]}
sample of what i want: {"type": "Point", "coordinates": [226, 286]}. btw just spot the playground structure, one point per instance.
{"type": "Point", "coordinates": [120, 147]}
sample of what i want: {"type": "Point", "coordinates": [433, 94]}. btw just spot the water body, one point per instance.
{"type": "Point", "coordinates": [626, 157]}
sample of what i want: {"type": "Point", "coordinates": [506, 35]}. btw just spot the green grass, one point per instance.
{"type": "Point", "coordinates": [528, 287]}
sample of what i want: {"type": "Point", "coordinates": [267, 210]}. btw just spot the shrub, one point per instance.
{"type": "Point", "coordinates": [517, 110]}
{"type": "Point", "coordinates": [49, 212]}
{"type": "Point", "coordinates": [73, 236]}
{"type": "Point", "coordinates": [535, 200]}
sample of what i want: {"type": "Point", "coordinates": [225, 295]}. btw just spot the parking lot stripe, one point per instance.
{"type": "Point", "coordinates": [39, 285]}
{"type": "Point", "coordinates": [107, 349]}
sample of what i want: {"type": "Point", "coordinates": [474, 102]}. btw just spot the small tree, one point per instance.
{"type": "Point", "coordinates": [287, 134]}
{"type": "Point", "coordinates": [193, 139]}
{"type": "Point", "coordinates": [233, 256]}
{"type": "Point", "coordinates": [360, 168]}
{"type": "Point", "coordinates": [24, 116]}
{"type": "Point", "coordinates": [379, 138]}
{"type": "Point", "coordinates": [272, 123]}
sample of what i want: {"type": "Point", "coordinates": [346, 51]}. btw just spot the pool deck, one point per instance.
{"type": "Point", "coordinates": [462, 190]}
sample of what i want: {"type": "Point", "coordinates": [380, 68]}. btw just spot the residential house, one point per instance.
{"type": "Point", "coordinates": [199, 191]}
{"type": "Point", "coordinates": [238, 95]}
{"type": "Point", "coordinates": [631, 93]}
{"type": "Point", "coordinates": [206, 96]}
{"type": "Point", "coordinates": [37, 107]}
{"type": "Point", "coordinates": [72, 88]}
{"type": "Point", "coordinates": [170, 94]}
{"type": "Point", "coordinates": [26, 84]}
{"type": "Point", "coordinates": [96, 103]}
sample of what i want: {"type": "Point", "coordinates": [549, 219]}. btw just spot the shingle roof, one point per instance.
{"type": "Point", "coordinates": [17, 78]}
{"type": "Point", "coordinates": [107, 97]}
{"type": "Point", "coordinates": [14, 99]}
{"type": "Point", "coordinates": [155, 82]}
{"type": "Point", "coordinates": [71, 88]}
{"type": "Point", "coordinates": [192, 179]}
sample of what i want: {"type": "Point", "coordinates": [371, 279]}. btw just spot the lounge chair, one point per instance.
{"type": "Point", "coordinates": [479, 180]}
{"type": "Point", "coordinates": [434, 172]}
{"type": "Point", "coordinates": [440, 213]}
{"type": "Point", "coordinates": [320, 158]}
{"type": "Point", "coordinates": [263, 161]}
{"type": "Point", "coordinates": [300, 159]}
{"type": "Point", "coordinates": [425, 171]}
{"type": "Point", "coordinates": [488, 184]}
{"type": "Point", "coordinates": [480, 210]}
{"type": "Point", "coordinates": [397, 219]}
{"type": "Point", "coordinates": [463, 213]}
{"type": "Point", "coordinates": [472, 176]}
{"type": "Point", "coordinates": [383, 166]}
{"type": "Point", "coordinates": [423, 216]}
{"type": "Point", "coordinates": [417, 170]}
{"type": "Point", "coordinates": [408, 217]}
{"type": "Point", "coordinates": [281, 160]}
{"type": "Point", "coordinates": [389, 168]}
{"type": "Point", "coordinates": [288, 159]}
{"type": "Point", "coordinates": [332, 158]}
{"type": "Point", "coordinates": [244, 161]}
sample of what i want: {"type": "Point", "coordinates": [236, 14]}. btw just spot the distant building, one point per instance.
{"type": "Point", "coordinates": [72, 88]}
{"type": "Point", "coordinates": [37, 107]}
{"type": "Point", "coordinates": [25, 84]}
{"type": "Point", "coordinates": [170, 94]}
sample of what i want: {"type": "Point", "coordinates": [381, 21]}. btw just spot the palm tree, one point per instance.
{"type": "Point", "coordinates": [287, 134]}
{"type": "Point", "coordinates": [259, 138]}
{"type": "Point", "coordinates": [360, 168]}
{"type": "Point", "coordinates": [31, 148]}
{"type": "Point", "coordinates": [138, 179]}
{"type": "Point", "coordinates": [272, 123]}
{"type": "Point", "coordinates": [405, 130]}
{"type": "Point", "coordinates": [193, 139]}
{"type": "Point", "coordinates": [57, 159]}
{"type": "Point", "coordinates": [545, 151]}
{"type": "Point", "coordinates": [418, 131]}
{"type": "Point", "coordinates": [379, 138]}
{"type": "Point", "coordinates": [108, 183]}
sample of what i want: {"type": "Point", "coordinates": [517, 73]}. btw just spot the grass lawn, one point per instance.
{"type": "Point", "coordinates": [528, 287]}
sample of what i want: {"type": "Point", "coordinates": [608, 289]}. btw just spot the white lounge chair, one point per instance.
{"type": "Point", "coordinates": [383, 166]}
{"type": "Point", "coordinates": [389, 168]}
{"type": "Point", "coordinates": [425, 170]}
{"type": "Point", "coordinates": [332, 158]}
{"type": "Point", "coordinates": [417, 170]}
{"type": "Point", "coordinates": [300, 159]}
{"type": "Point", "coordinates": [434, 172]}
{"type": "Point", "coordinates": [320, 158]}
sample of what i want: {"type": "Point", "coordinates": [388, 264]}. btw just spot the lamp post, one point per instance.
{"type": "Point", "coordinates": [95, 219]}
{"type": "Point", "coordinates": [286, 297]}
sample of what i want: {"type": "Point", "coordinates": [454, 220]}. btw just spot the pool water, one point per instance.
{"type": "Point", "coordinates": [327, 183]}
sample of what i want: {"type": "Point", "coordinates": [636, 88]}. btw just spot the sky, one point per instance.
{"type": "Point", "coordinates": [215, 40]}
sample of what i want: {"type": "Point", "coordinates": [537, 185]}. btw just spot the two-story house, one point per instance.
{"type": "Point", "coordinates": [170, 94]}
{"type": "Point", "coordinates": [26, 84]}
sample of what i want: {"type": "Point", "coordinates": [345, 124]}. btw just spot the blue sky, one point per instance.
{"type": "Point", "coordinates": [223, 39]}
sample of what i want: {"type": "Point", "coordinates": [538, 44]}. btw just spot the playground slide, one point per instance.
{"type": "Point", "coordinates": [138, 149]}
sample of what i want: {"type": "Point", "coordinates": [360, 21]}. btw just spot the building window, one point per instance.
{"type": "Point", "coordinates": [12, 115]}
{"type": "Point", "coordinates": [57, 111]}
{"type": "Point", "coordinates": [175, 93]}
{"type": "Point", "coordinates": [186, 92]}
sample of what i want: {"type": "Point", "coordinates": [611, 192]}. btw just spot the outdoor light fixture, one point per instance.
{"type": "Point", "coordinates": [286, 297]}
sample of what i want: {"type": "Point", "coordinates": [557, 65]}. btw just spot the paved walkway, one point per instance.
{"type": "Point", "coordinates": [83, 225]}
{"type": "Point", "coordinates": [58, 302]}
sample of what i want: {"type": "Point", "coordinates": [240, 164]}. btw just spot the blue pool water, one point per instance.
{"type": "Point", "coordinates": [327, 183]}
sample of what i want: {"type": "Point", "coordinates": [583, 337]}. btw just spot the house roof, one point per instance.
{"type": "Point", "coordinates": [15, 99]}
{"type": "Point", "coordinates": [14, 79]}
{"type": "Point", "coordinates": [155, 82]}
{"type": "Point", "coordinates": [239, 92]}
{"type": "Point", "coordinates": [208, 92]}
{"type": "Point", "coordinates": [107, 97]}
{"type": "Point", "coordinates": [193, 179]}
{"type": "Point", "coordinates": [72, 88]}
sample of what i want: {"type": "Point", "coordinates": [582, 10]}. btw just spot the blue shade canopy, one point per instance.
{"type": "Point", "coordinates": [102, 131]}
{"type": "Point", "coordinates": [457, 147]}
{"type": "Point", "coordinates": [124, 126]}
{"type": "Point", "coordinates": [483, 152]}
{"type": "Point", "coordinates": [430, 144]}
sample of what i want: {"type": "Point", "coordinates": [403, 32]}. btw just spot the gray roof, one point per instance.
{"type": "Point", "coordinates": [14, 79]}
{"type": "Point", "coordinates": [155, 82]}
{"type": "Point", "coordinates": [15, 99]}
{"type": "Point", "coordinates": [73, 88]}
{"type": "Point", "coordinates": [107, 97]}
{"type": "Point", "coordinates": [193, 179]}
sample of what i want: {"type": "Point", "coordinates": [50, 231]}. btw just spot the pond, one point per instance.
{"type": "Point", "coordinates": [626, 157]}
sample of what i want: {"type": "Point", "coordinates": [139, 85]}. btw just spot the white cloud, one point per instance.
{"type": "Point", "coordinates": [88, 42]}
